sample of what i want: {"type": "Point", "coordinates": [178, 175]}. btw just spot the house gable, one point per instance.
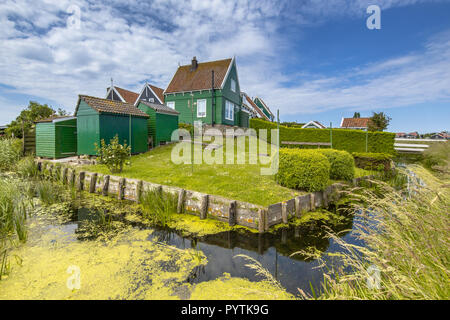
{"type": "Point", "coordinates": [150, 94]}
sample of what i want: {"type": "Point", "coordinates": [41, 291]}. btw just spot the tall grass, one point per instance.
{"type": "Point", "coordinates": [27, 167]}
{"type": "Point", "coordinates": [10, 152]}
{"type": "Point", "coordinates": [407, 244]}
{"type": "Point", "coordinates": [158, 206]}
{"type": "Point", "coordinates": [48, 192]}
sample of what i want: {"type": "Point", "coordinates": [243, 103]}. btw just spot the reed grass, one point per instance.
{"type": "Point", "coordinates": [158, 206]}
{"type": "Point", "coordinates": [406, 240]}
{"type": "Point", "coordinates": [27, 168]}
{"type": "Point", "coordinates": [49, 193]}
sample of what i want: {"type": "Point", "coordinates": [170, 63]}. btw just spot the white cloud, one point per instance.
{"type": "Point", "coordinates": [134, 41]}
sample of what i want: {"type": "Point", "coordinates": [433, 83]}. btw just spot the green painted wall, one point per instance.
{"type": "Point", "coordinates": [160, 125]}
{"type": "Point", "coordinates": [56, 140]}
{"type": "Point", "coordinates": [181, 102]}
{"type": "Point", "coordinates": [92, 127]}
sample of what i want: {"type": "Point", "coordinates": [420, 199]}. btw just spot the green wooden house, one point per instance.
{"type": "Point", "coordinates": [264, 108]}
{"type": "Point", "coordinates": [213, 88]}
{"type": "Point", "coordinates": [162, 122]}
{"type": "Point", "coordinates": [56, 137]}
{"type": "Point", "coordinates": [99, 119]}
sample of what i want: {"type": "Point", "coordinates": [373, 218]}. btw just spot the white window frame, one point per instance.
{"type": "Point", "coordinates": [170, 104]}
{"type": "Point", "coordinates": [152, 100]}
{"type": "Point", "coordinates": [233, 85]}
{"type": "Point", "coordinates": [202, 114]}
{"type": "Point", "coordinates": [229, 105]}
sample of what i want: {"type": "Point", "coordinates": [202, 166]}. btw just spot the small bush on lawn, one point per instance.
{"type": "Point", "coordinates": [373, 161]}
{"type": "Point", "coordinates": [307, 170]}
{"type": "Point", "coordinates": [114, 154]}
{"type": "Point", "coordinates": [342, 164]}
{"type": "Point", "coordinates": [10, 152]}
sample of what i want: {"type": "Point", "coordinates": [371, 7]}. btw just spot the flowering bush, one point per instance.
{"type": "Point", "coordinates": [114, 154]}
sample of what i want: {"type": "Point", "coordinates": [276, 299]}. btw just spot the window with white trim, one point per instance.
{"type": "Point", "coordinates": [233, 85]}
{"type": "Point", "coordinates": [201, 108]}
{"type": "Point", "coordinates": [229, 110]}
{"type": "Point", "coordinates": [171, 104]}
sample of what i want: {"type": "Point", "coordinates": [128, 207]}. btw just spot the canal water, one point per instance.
{"type": "Point", "coordinates": [273, 250]}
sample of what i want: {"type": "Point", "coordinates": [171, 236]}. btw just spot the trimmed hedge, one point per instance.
{"type": "Point", "coordinates": [343, 139]}
{"type": "Point", "coordinates": [373, 161]}
{"type": "Point", "coordinates": [342, 164]}
{"type": "Point", "coordinates": [307, 170]}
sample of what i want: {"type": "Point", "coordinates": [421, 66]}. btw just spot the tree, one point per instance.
{"type": "Point", "coordinates": [379, 122]}
{"type": "Point", "coordinates": [356, 115]}
{"type": "Point", "coordinates": [27, 117]}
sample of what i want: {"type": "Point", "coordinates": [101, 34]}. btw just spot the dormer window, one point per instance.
{"type": "Point", "coordinates": [233, 85]}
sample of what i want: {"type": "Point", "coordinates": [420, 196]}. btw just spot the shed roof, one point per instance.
{"type": "Point", "coordinates": [186, 79]}
{"type": "Point", "coordinates": [110, 106]}
{"type": "Point", "coordinates": [265, 105]}
{"type": "Point", "coordinates": [56, 119]}
{"type": "Point", "coordinates": [160, 108]}
{"type": "Point", "coordinates": [355, 122]}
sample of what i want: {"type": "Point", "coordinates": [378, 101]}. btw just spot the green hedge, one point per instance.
{"type": "Point", "coordinates": [342, 164]}
{"type": "Point", "coordinates": [343, 139]}
{"type": "Point", "coordinates": [307, 170]}
{"type": "Point", "coordinates": [373, 161]}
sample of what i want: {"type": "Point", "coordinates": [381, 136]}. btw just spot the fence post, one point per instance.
{"type": "Point", "coordinates": [105, 185]}
{"type": "Point", "coordinates": [81, 181]}
{"type": "Point", "coordinates": [93, 183]}
{"type": "Point", "coordinates": [64, 175]}
{"type": "Point", "coordinates": [284, 215]}
{"type": "Point", "coordinates": [121, 193]}
{"type": "Point", "coordinates": [261, 221]}
{"type": "Point", "coordinates": [313, 202]}
{"type": "Point", "coordinates": [72, 177]}
{"type": "Point", "coordinates": [232, 213]}
{"type": "Point", "coordinates": [297, 207]}
{"type": "Point", "coordinates": [50, 172]}
{"type": "Point", "coordinates": [180, 204]}
{"type": "Point", "coordinates": [139, 191]}
{"type": "Point", "coordinates": [204, 207]}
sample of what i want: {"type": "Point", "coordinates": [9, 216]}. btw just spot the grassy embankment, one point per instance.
{"type": "Point", "coordinates": [242, 182]}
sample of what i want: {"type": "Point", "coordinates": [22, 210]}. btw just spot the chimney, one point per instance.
{"type": "Point", "coordinates": [194, 64]}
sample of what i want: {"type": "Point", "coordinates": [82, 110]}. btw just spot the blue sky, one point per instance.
{"type": "Point", "coordinates": [312, 60]}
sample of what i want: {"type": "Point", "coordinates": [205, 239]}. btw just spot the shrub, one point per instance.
{"type": "Point", "coordinates": [373, 161]}
{"type": "Point", "coordinates": [158, 206]}
{"type": "Point", "coordinates": [114, 154]}
{"type": "Point", "coordinates": [342, 164]}
{"type": "Point", "coordinates": [307, 170]}
{"type": "Point", "coordinates": [48, 192]}
{"type": "Point", "coordinates": [437, 157]}
{"type": "Point", "coordinates": [10, 152]}
{"type": "Point", "coordinates": [343, 139]}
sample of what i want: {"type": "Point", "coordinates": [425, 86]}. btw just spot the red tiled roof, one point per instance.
{"type": "Point", "coordinates": [355, 123]}
{"type": "Point", "coordinates": [254, 106]}
{"type": "Point", "coordinates": [199, 79]}
{"type": "Point", "coordinates": [111, 106]}
{"type": "Point", "coordinates": [158, 91]}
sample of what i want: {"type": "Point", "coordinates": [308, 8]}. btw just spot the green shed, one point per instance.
{"type": "Point", "coordinates": [99, 119]}
{"type": "Point", "coordinates": [56, 137]}
{"type": "Point", "coordinates": [161, 123]}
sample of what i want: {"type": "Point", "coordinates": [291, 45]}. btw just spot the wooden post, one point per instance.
{"type": "Point", "coordinates": [204, 207]}
{"type": "Point", "coordinates": [139, 186]}
{"type": "Point", "coordinates": [261, 221]}
{"type": "Point", "coordinates": [39, 166]}
{"type": "Point", "coordinates": [72, 177]}
{"type": "Point", "coordinates": [297, 232]}
{"type": "Point", "coordinates": [181, 197]}
{"type": "Point", "coordinates": [232, 213]}
{"type": "Point", "coordinates": [64, 175]}
{"type": "Point", "coordinates": [50, 172]}
{"type": "Point", "coordinates": [105, 185]}
{"type": "Point", "coordinates": [121, 193]}
{"type": "Point", "coordinates": [284, 215]}
{"type": "Point", "coordinates": [325, 198]}
{"type": "Point", "coordinates": [266, 219]}
{"type": "Point", "coordinates": [81, 181]}
{"type": "Point", "coordinates": [298, 209]}
{"type": "Point", "coordinates": [313, 202]}
{"type": "Point", "coordinates": [93, 183]}
{"type": "Point", "coordinates": [159, 190]}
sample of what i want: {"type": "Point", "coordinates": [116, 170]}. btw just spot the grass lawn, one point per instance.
{"type": "Point", "coordinates": [240, 182]}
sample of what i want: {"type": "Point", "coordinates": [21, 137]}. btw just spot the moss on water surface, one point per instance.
{"type": "Point", "coordinates": [231, 288]}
